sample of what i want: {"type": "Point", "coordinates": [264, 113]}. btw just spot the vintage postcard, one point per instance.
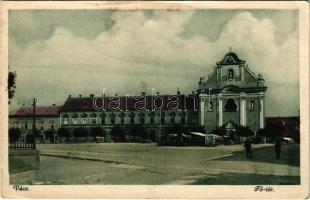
{"type": "Point", "coordinates": [155, 100]}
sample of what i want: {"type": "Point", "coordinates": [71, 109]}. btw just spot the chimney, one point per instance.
{"type": "Point", "coordinates": [80, 95]}
{"type": "Point", "coordinates": [178, 92]}
{"type": "Point", "coordinates": [69, 96]}
{"type": "Point", "coordinates": [143, 93]}
{"type": "Point", "coordinates": [91, 95]}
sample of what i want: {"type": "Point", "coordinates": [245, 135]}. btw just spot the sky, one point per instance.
{"type": "Point", "coordinates": [60, 52]}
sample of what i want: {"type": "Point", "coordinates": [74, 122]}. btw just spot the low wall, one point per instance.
{"type": "Point", "coordinates": [21, 160]}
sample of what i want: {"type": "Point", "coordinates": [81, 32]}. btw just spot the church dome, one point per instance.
{"type": "Point", "coordinates": [230, 58]}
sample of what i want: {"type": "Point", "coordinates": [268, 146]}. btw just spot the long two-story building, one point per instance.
{"type": "Point", "coordinates": [155, 113]}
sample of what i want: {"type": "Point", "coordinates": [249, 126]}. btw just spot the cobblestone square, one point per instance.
{"type": "Point", "coordinates": [139, 164]}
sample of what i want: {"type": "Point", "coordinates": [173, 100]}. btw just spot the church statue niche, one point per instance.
{"type": "Point", "coordinates": [230, 74]}
{"type": "Point", "coordinates": [210, 106]}
{"type": "Point", "coordinates": [251, 105]}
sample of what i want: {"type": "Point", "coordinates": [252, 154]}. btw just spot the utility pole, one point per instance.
{"type": "Point", "coordinates": [34, 101]}
{"type": "Point", "coordinates": [159, 127]}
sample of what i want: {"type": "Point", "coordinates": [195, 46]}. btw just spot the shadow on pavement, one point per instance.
{"type": "Point", "coordinates": [290, 155]}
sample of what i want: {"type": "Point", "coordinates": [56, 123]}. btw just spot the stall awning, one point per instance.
{"type": "Point", "coordinates": [199, 134]}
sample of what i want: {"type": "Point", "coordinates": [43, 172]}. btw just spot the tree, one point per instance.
{"type": "Point", "coordinates": [244, 131]}
{"type": "Point", "coordinates": [64, 133]}
{"type": "Point", "coordinates": [11, 85]}
{"type": "Point", "coordinates": [14, 134]}
{"type": "Point", "coordinates": [97, 132]}
{"type": "Point", "coordinates": [80, 132]}
{"type": "Point", "coordinates": [118, 134]}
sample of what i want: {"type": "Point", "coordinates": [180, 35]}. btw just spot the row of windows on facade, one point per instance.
{"type": "Point", "coordinates": [103, 120]}
{"type": "Point", "coordinates": [25, 125]}
{"type": "Point", "coordinates": [230, 105]}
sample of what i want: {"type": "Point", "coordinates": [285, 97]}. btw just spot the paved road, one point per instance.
{"type": "Point", "coordinates": [151, 164]}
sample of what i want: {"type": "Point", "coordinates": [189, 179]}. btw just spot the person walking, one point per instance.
{"type": "Point", "coordinates": [248, 148]}
{"type": "Point", "coordinates": [277, 146]}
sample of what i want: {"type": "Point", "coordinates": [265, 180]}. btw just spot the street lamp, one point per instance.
{"type": "Point", "coordinates": [34, 101]}
{"type": "Point", "coordinates": [159, 138]}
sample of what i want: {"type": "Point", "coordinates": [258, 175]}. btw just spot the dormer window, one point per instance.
{"type": "Point", "coordinates": [230, 74]}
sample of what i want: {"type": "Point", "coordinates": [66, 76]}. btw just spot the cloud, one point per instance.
{"type": "Point", "coordinates": [151, 49]}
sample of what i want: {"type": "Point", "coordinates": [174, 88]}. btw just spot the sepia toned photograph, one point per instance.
{"type": "Point", "coordinates": [197, 97]}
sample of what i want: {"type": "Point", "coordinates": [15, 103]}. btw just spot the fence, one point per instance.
{"type": "Point", "coordinates": [22, 145]}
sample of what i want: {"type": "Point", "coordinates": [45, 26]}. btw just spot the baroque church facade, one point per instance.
{"type": "Point", "coordinates": [232, 96]}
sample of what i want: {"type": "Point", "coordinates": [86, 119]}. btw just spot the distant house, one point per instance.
{"type": "Point", "coordinates": [47, 119]}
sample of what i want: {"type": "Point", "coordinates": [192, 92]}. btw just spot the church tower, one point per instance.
{"type": "Point", "coordinates": [232, 95]}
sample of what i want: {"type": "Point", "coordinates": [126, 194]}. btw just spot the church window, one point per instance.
{"type": "Point", "coordinates": [230, 105]}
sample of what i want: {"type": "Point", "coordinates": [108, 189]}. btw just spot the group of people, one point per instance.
{"type": "Point", "coordinates": [248, 148]}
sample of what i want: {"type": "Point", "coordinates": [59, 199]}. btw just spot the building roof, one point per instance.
{"type": "Point", "coordinates": [230, 58]}
{"type": "Point", "coordinates": [41, 111]}
{"type": "Point", "coordinates": [132, 103]}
